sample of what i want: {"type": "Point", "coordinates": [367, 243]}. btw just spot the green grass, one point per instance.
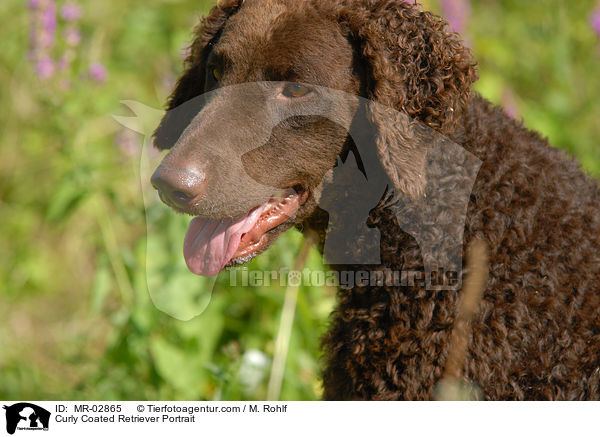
{"type": "Point", "coordinates": [78, 321]}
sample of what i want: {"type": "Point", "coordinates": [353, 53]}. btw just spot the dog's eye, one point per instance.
{"type": "Point", "coordinates": [294, 90]}
{"type": "Point", "coordinates": [217, 73]}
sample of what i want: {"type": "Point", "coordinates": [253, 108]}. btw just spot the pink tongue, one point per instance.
{"type": "Point", "coordinates": [210, 244]}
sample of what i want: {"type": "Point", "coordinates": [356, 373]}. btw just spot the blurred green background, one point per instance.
{"type": "Point", "coordinates": [76, 320]}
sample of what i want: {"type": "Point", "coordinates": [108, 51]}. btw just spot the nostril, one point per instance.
{"type": "Point", "coordinates": [180, 196]}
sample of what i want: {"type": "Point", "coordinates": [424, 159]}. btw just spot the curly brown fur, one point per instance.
{"type": "Point", "coordinates": [536, 334]}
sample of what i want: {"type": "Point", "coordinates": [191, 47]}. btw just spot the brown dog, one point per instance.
{"type": "Point", "coordinates": [250, 161]}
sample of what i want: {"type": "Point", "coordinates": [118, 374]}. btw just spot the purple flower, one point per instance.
{"type": "Point", "coordinates": [48, 24]}
{"type": "Point", "coordinates": [70, 11]}
{"type": "Point", "coordinates": [49, 16]}
{"type": "Point", "coordinates": [457, 13]}
{"type": "Point", "coordinates": [595, 20]}
{"type": "Point", "coordinates": [43, 24]}
{"type": "Point", "coordinates": [45, 68]}
{"type": "Point", "coordinates": [34, 4]}
{"type": "Point", "coordinates": [72, 36]}
{"type": "Point", "coordinates": [46, 56]}
{"type": "Point", "coordinates": [98, 72]}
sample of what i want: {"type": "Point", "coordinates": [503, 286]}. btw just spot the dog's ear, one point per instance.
{"type": "Point", "coordinates": [191, 83]}
{"type": "Point", "coordinates": [206, 33]}
{"type": "Point", "coordinates": [416, 66]}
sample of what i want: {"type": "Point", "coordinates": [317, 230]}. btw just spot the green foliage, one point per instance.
{"type": "Point", "coordinates": [78, 321]}
{"type": "Point", "coordinates": [547, 56]}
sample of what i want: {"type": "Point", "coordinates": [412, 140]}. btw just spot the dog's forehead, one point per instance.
{"type": "Point", "coordinates": [284, 37]}
{"type": "Point", "coordinates": [247, 29]}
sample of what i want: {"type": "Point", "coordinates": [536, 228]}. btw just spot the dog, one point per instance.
{"type": "Point", "coordinates": [262, 137]}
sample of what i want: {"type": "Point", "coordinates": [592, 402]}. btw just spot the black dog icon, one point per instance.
{"type": "Point", "coordinates": [26, 415]}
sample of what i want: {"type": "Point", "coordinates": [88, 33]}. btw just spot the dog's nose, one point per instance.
{"type": "Point", "coordinates": [179, 187]}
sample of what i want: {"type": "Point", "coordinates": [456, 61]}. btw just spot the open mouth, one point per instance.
{"type": "Point", "coordinates": [212, 244]}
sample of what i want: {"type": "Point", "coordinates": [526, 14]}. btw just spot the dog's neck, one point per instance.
{"type": "Point", "coordinates": [388, 241]}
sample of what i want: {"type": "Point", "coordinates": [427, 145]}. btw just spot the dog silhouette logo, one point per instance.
{"type": "Point", "coordinates": [26, 417]}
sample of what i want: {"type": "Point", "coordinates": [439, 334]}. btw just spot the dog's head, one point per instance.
{"type": "Point", "coordinates": [250, 129]}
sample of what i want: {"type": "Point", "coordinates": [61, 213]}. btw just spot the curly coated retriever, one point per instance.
{"type": "Point", "coordinates": [536, 331]}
